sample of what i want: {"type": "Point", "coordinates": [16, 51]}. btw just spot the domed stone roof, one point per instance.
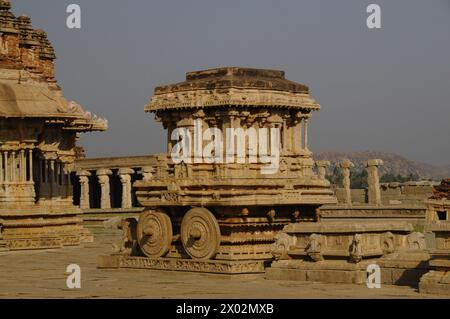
{"type": "Point", "coordinates": [28, 88]}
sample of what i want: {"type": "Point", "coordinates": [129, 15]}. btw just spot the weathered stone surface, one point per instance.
{"type": "Point", "coordinates": [189, 265]}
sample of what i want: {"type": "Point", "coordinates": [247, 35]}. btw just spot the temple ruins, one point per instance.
{"type": "Point", "coordinates": [215, 215]}
{"type": "Point", "coordinates": [39, 129]}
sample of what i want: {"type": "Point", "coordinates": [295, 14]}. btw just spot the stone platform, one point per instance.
{"type": "Point", "coordinates": [188, 265]}
{"type": "Point", "coordinates": [404, 269]}
{"type": "Point", "coordinates": [437, 281]}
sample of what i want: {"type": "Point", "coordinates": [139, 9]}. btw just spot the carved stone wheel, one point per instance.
{"type": "Point", "coordinates": [154, 233]}
{"type": "Point", "coordinates": [200, 234]}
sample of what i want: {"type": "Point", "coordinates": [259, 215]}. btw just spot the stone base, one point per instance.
{"type": "Point", "coordinates": [404, 268]}
{"type": "Point", "coordinates": [435, 282]}
{"type": "Point", "coordinates": [188, 265]}
{"type": "Point", "coordinates": [30, 228]}
{"type": "Point", "coordinates": [328, 271]}
{"type": "Point", "coordinates": [3, 245]}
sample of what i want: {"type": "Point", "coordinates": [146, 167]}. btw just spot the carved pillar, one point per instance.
{"type": "Point", "coordinates": [1, 168]}
{"type": "Point", "coordinates": [51, 172]}
{"type": "Point", "coordinates": [305, 134]}
{"type": "Point", "coordinates": [13, 166]}
{"type": "Point", "coordinates": [84, 189]}
{"type": "Point", "coordinates": [68, 169]}
{"type": "Point", "coordinates": [297, 133]}
{"type": "Point", "coordinates": [103, 179]}
{"type": "Point", "coordinates": [373, 181]}
{"type": "Point", "coordinates": [22, 166]}
{"type": "Point", "coordinates": [5, 163]}
{"type": "Point", "coordinates": [125, 178]}
{"type": "Point", "coordinates": [30, 164]}
{"type": "Point", "coordinates": [322, 168]}
{"type": "Point", "coordinates": [345, 170]}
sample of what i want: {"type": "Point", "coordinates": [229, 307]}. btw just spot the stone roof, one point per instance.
{"type": "Point", "coordinates": [34, 101]}
{"type": "Point", "coordinates": [233, 86]}
{"type": "Point", "coordinates": [234, 77]}
{"type": "Point", "coordinates": [27, 85]}
{"type": "Point", "coordinates": [23, 100]}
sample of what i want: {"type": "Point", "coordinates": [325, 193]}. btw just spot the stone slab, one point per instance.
{"type": "Point", "coordinates": [187, 265]}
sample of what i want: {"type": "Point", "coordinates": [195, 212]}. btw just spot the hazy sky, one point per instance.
{"type": "Point", "coordinates": [386, 90]}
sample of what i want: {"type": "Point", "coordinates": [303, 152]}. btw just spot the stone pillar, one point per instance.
{"type": "Point", "coordinates": [30, 165]}
{"type": "Point", "coordinates": [286, 139]}
{"type": "Point", "coordinates": [296, 132]}
{"type": "Point", "coordinates": [5, 164]}
{"type": "Point", "coordinates": [125, 178]}
{"type": "Point", "coordinates": [22, 166]}
{"type": "Point", "coordinates": [373, 181]}
{"type": "Point", "coordinates": [84, 189]}
{"type": "Point", "coordinates": [13, 166]}
{"type": "Point", "coordinates": [322, 168]}
{"type": "Point", "coordinates": [103, 179]}
{"type": "Point", "coordinates": [345, 170]}
{"type": "Point", "coordinates": [305, 134]}
{"type": "Point", "coordinates": [2, 179]}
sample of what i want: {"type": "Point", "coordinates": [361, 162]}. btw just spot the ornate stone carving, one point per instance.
{"type": "Point", "coordinates": [314, 247]}
{"type": "Point", "coordinates": [356, 248]}
{"type": "Point", "coordinates": [282, 245]}
{"type": "Point", "coordinates": [388, 243]}
{"type": "Point", "coordinates": [200, 234]}
{"type": "Point", "coordinates": [154, 233]}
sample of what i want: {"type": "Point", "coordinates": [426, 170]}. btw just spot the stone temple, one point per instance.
{"type": "Point", "coordinates": [38, 134]}
{"type": "Point", "coordinates": [229, 212]}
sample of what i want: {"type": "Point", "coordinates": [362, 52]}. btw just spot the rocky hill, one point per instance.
{"type": "Point", "coordinates": [393, 163]}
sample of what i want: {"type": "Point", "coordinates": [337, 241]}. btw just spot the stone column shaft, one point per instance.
{"type": "Point", "coordinates": [125, 178]}
{"type": "Point", "coordinates": [5, 163]}
{"type": "Point", "coordinates": [1, 167]}
{"type": "Point", "coordinates": [103, 179]}
{"type": "Point", "coordinates": [23, 166]}
{"type": "Point", "coordinates": [84, 189]}
{"type": "Point", "coordinates": [305, 135]}
{"type": "Point", "coordinates": [30, 165]}
{"type": "Point", "coordinates": [13, 166]}
{"type": "Point", "coordinates": [345, 170]}
{"type": "Point", "coordinates": [297, 136]}
{"type": "Point", "coordinates": [373, 181]}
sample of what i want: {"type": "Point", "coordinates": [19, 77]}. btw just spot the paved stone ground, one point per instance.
{"type": "Point", "coordinates": [41, 274]}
